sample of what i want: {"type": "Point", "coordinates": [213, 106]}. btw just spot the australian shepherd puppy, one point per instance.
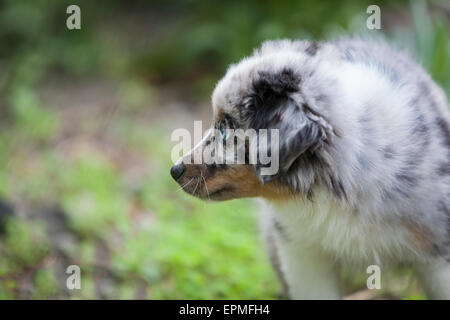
{"type": "Point", "coordinates": [363, 161]}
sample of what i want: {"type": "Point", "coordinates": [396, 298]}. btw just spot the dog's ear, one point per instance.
{"type": "Point", "coordinates": [275, 103]}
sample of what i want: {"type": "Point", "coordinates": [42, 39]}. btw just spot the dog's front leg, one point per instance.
{"type": "Point", "coordinates": [309, 273]}
{"type": "Point", "coordinates": [435, 279]}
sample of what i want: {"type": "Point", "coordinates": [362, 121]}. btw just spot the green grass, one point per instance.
{"type": "Point", "coordinates": [153, 236]}
{"type": "Point", "coordinates": [122, 219]}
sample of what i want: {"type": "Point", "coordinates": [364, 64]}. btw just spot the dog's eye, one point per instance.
{"type": "Point", "coordinates": [223, 132]}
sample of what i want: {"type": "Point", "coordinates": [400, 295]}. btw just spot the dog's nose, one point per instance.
{"type": "Point", "coordinates": [177, 171]}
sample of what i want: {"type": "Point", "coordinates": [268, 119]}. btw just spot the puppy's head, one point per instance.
{"type": "Point", "coordinates": [267, 91]}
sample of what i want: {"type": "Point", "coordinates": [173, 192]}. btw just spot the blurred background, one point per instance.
{"type": "Point", "coordinates": [85, 123]}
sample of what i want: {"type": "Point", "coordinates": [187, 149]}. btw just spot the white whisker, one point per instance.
{"type": "Point", "coordinates": [195, 189]}
{"type": "Point", "coordinates": [185, 185]}
{"type": "Point", "coordinates": [206, 185]}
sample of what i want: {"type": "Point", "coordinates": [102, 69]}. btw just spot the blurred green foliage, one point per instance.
{"type": "Point", "coordinates": [167, 41]}
{"type": "Point", "coordinates": [143, 238]}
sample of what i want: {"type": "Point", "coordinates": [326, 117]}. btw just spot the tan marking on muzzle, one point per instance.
{"type": "Point", "coordinates": [236, 181]}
